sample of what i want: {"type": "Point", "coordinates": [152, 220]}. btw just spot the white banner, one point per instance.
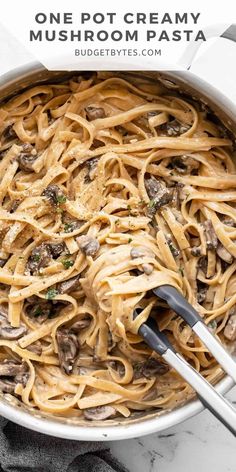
{"type": "Point", "coordinates": [107, 35]}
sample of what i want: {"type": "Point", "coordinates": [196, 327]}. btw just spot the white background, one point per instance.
{"type": "Point", "coordinates": [60, 54]}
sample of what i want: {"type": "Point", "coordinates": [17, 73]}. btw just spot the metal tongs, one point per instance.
{"type": "Point", "coordinates": [211, 399]}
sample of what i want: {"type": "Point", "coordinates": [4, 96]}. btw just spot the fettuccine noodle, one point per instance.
{"type": "Point", "coordinates": [109, 188]}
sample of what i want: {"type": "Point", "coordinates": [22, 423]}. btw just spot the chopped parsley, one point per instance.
{"type": "Point", "coordinates": [173, 249]}
{"type": "Point", "coordinates": [68, 227]}
{"type": "Point", "coordinates": [152, 203]}
{"type": "Point", "coordinates": [59, 210]}
{"type": "Point", "coordinates": [51, 293]}
{"type": "Point", "coordinates": [36, 257]}
{"type": "Point", "coordinates": [128, 207]}
{"type": "Point", "coordinates": [212, 325]}
{"type": "Point", "coordinates": [61, 198]}
{"type": "Point", "coordinates": [129, 240]}
{"type": "Point", "coordinates": [171, 246]}
{"type": "Point", "coordinates": [181, 270]}
{"type": "Point", "coordinates": [38, 311]}
{"type": "Point", "coordinates": [67, 263]}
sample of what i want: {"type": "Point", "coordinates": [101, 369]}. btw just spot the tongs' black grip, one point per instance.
{"type": "Point", "coordinates": [155, 339]}
{"type": "Point", "coordinates": [178, 303]}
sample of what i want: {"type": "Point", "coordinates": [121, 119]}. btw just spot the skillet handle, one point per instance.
{"type": "Point", "coordinates": [187, 58]}
{"type": "Point", "coordinates": [230, 33]}
{"type": "Point", "coordinates": [215, 65]}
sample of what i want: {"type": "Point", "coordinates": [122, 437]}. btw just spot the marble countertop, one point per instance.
{"type": "Point", "coordinates": [199, 444]}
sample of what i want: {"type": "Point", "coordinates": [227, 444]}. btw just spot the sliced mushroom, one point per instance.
{"type": "Point", "coordinates": [54, 194]}
{"type": "Point", "coordinates": [152, 186]}
{"type": "Point", "coordinates": [89, 246]}
{"type": "Point", "coordinates": [173, 128]}
{"type": "Point", "coordinates": [151, 395]}
{"type": "Point", "coordinates": [6, 330]}
{"type": "Point", "coordinates": [224, 265]}
{"type": "Point", "coordinates": [141, 251]}
{"type": "Point", "coordinates": [57, 249]}
{"type": "Point", "coordinates": [118, 367]}
{"type": "Point", "coordinates": [224, 254]}
{"type": "Point", "coordinates": [71, 224]}
{"type": "Point", "coordinates": [99, 413]}
{"type": "Point", "coordinates": [69, 285]}
{"type": "Point", "coordinates": [36, 348]}
{"type": "Point", "coordinates": [10, 333]}
{"type": "Point", "coordinates": [2, 154]}
{"type": "Point", "coordinates": [68, 349]}
{"type": "Point", "coordinates": [7, 385]}
{"type": "Point", "coordinates": [150, 368]}
{"type": "Point", "coordinates": [177, 195]}
{"type": "Point", "coordinates": [22, 378]}
{"type": "Point", "coordinates": [158, 193]}
{"type": "Point", "coordinates": [12, 373]}
{"type": "Point", "coordinates": [147, 268]}
{"type": "Point", "coordinates": [3, 313]}
{"type": "Point", "coordinates": [42, 309]}
{"type": "Point", "coordinates": [230, 328]}
{"type": "Point", "coordinates": [229, 221]}
{"type": "Point", "coordinates": [185, 164]}
{"type": "Point", "coordinates": [174, 250]}
{"type": "Point", "coordinates": [91, 164]}
{"type": "Point", "coordinates": [80, 324]}
{"type": "Point", "coordinates": [26, 161]}
{"type": "Point", "coordinates": [94, 113]}
{"type": "Point", "coordinates": [202, 264]}
{"type": "Point", "coordinates": [39, 308]}
{"type": "Point", "coordinates": [40, 257]}
{"type": "Point", "coordinates": [179, 165]}
{"type": "Point", "coordinates": [211, 238]}
{"type": "Point", "coordinates": [201, 292]}
{"type": "Point", "coordinates": [9, 133]}
{"type": "Point", "coordinates": [14, 205]}
{"type": "Point", "coordinates": [110, 342]}
{"type": "Point", "coordinates": [11, 368]}
{"type": "Point", "coordinates": [196, 251]}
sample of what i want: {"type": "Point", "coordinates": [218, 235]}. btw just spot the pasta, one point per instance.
{"type": "Point", "coordinates": [110, 187]}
